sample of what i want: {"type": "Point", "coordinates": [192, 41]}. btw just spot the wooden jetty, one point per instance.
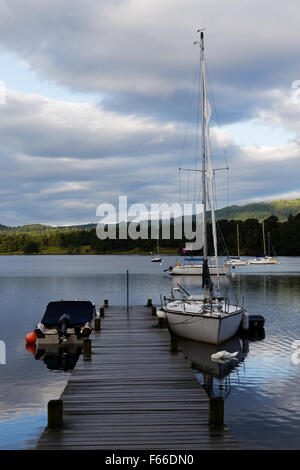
{"type": "Point", "coordinates": [134, 393]}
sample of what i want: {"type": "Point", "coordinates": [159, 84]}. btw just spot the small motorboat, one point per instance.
{"type": "Point", "coordinates": [66, 320]}
{"type": "Point", "coordinates": [156, 259]}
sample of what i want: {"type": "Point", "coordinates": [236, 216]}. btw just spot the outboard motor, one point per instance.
{"type": "Point", "coordinates": [170, 268]}
{"type": "Point", "coordinates": [62, 326]}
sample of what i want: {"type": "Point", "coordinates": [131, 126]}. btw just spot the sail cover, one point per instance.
{"type": "Point", "coordinates": [80, 312]}
{"type": "Point", "coordinates": [210, 172]}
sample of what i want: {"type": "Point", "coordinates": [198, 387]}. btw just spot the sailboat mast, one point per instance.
{"type": "Point", "coordinates": [238, 239]}
{"type": "Point", "coordinates": [203, 146]}
{"type": "Point", "coordinates": [263, 229]}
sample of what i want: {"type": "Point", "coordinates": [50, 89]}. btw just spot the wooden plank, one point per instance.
{"type": "Point", "coordinates": [134, 393]}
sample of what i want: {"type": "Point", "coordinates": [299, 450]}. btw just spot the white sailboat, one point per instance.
{"type": "Point", "coordinates": [208, 317]}
{"type": "Point", "coordinates": [197, 269]}
{"type": "Point", "coordinates": [236, 260]}
{"type": "Point", "coordinates": [156, 259]}
{"type": "Point", "coordinates": [266, 259]}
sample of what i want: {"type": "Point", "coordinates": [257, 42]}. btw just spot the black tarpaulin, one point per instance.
{"type": "Point", "coordinates": [80, 312]}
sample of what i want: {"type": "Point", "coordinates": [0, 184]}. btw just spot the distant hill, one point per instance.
{"type": "Point", "coordinates": [261, 211]}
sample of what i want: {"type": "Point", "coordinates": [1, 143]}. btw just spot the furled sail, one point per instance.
{"type": "Point", "coordinates": [210, 173]}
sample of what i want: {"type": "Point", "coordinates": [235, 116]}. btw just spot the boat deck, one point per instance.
{"type": "Point", "coordinates": [134, 393]}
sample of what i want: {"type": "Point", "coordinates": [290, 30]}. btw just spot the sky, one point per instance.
{"type": "Point", "coordinates": [98, 99]}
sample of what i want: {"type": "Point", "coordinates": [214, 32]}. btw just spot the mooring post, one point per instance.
{"type": "Point", "coordinates": [127, 290]}
{"type": "Point", "coordinates": [216, 411]}
{"type": "Point", "coordinates": [55, 413]}
{"type": "Point", "coordinates": [153, 311]}
{"type": "Point", "coordinates": [97, 324]}
{"type": "Point", "coordinates": [149, 303]}
{"type": "Point", "coordinates": [101, 311]}
{"type": "Point", "coordinates": [173, 344]}
{"type": "Point", "coordinates": [105, 303]}
{"type": "Point", "coordinates": [87, 349]}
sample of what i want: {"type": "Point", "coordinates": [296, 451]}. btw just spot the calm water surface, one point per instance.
{"type": "Point", "coordinates": [263, 404]}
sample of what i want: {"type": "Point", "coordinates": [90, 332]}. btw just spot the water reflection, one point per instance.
{"type": "Point", "coordinates": [215, 374]}
{"type": "Point", "coordinates": [263, 407]}
{"type": "Point", "coordinates": [195, 282]}
{"type": "Point", "coordinates": [57, 357]}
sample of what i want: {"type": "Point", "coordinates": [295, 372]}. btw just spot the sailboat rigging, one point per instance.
{"type": "Point", "coordinates": [236, 260]}
{"type": "Point", "coordinates": [265, 259]}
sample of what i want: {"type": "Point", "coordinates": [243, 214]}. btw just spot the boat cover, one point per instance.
{"type": "Point", "coordinates": [80, 312]}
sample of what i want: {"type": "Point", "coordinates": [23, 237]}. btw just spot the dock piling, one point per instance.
{"type": "Point", "coordinates": [105, 303]}
{"type": "Point", "coordinates": [149, 303]}
{"type": "Point", "coordinates": [55, 413]}
{"type": "Point", "coordinates": [153, 311]}
{"type": "Point", "coordinates": [87, 349]}
{"type": "Point", "coordinates": [101, 311]}
{"type": "Point", "coordinates": [216, 411]}
{"type": "Point", "coordinates": [174, 347]}
{"type": "Point", "coordinates": [127, 290]}
{"type": "Point", "coordinates": [97, 324]}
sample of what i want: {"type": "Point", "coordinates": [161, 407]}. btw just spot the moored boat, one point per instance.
{"type": "Point", "coordinates": [265, 259]}
{"type": "Point", "coordinates": [157, 258]}
{"type": "Point", "coordinates": [66, 320]}
{"type": "Point", "coordinates": [209, 317]}
{"type": "Point", "coordinates": [205, 318]}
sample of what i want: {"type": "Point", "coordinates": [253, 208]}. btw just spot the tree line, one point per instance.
{"type": "Point", "coordinates": [283, 238]}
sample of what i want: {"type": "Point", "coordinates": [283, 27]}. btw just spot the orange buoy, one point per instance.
{"type": "Point", "coordinates": [31, 348]}
{"type": "Point", "coordinates": [30, 338]}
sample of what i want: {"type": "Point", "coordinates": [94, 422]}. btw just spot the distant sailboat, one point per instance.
{"type": "Point", "coordinates": [265, 259]}
{"type": "Point", "coordinates": [236, 260]}
{"type": "Point", "coordinates": [156, 259]}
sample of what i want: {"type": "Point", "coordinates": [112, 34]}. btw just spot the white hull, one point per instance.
{"type": "Point", "coordinates": [50, 335]}
{"type": "Point", "coordinates": [266, 260]}
{"type": "Point", "coordinates": [196, 270]}
{"type": "Point", "coordinates": [156, 260]}
{"type": "Point", "coordinates": [52, 338]}
{"type": "Point", "coordinates": [235, 263]}
{"type": "Point", "coordinates": [206, 329]}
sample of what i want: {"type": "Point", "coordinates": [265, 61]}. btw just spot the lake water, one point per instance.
{"type": "Point", "coordinates": [263, 403]}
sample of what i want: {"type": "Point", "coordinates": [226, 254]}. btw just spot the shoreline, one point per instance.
{"type": "Point", "coordinates": [89, 254]}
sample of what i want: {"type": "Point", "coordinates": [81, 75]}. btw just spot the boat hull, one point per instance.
{"type": "Point", "coordinates": [196, 270]}
{"type": "Point", "coordinates": [50, 335]}
{"type": "Point", "coordinates": [206, 329]}
{"type": "Point", "coordinates": [263, 261]}
{"type": "Point", "coordinates": [235, 263]}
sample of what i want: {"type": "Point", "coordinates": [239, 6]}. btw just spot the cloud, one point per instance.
{"type": "Point", "coordinates": [60, 159]}
{"type": "Point", "coordinates": [39, 126]}
{"type": "Point", "coordinates": [145, 47]}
